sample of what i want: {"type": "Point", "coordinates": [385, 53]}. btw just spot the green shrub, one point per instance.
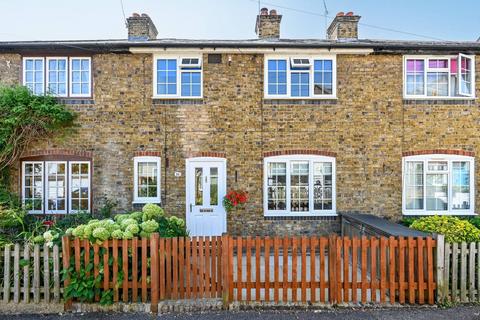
{"type": "Point", "coordinates": [152, 212]}
{"type": "Point", "coordinates": [126, 226]}
{"type": "Point", "coordinates": [453, 228]}
{"type": "Point", "coordinates": [407, 221]}
{"type": "Point", "coordinates": [475, 221]}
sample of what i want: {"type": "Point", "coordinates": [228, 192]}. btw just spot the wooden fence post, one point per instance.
{"type": "Point", "coordinates": [154, 272]}
{"type": "Point", "coordinates": [332, 269]}
{"type": "Point", "coordinates": [66, 265]}
{"type": "Point", "coordinates": [440, 269]}
{"type": "Point", "coordinates": [226, 257]}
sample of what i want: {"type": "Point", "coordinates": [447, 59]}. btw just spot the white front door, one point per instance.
{"type": "Point", "coordinates": [206, 187]}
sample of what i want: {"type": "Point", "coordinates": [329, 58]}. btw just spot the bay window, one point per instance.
{"type": "Point", "coordinates": [439, 76]}
{"type": "Point", "coordinates": [146, 180]}
{"type": "Point", "coordinates": [438, 184]}
{"type": "Point", "coordinates": [299, 185]}
{"type": "Point", "coordinates": [177, 77]}
{"type": "Point", "coordinates": [300, 77]}
{"type": "Point", "coordinates": [56, 187]}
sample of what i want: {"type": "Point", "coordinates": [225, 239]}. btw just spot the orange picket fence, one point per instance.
{"type": "Point", "coordinates": [317, 270]}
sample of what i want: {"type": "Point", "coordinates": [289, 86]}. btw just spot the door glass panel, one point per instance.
{"type": "Point", "coordinates": [299, 186]}
{"type": "Point", "coordinates": [214, 186]}
{"type": "Point", "coordinates": [198, 186]}
{"type": "Point", "coordinates": [56, 186]}
{"type": "Point", "coordinates": [461, 185]}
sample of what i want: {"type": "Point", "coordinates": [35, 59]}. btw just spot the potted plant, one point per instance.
{"type": "Point", "coordinates": [234, 199]}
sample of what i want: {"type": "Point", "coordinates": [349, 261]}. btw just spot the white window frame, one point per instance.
{"type": "Point", "coordinates": [24, 72]}
{"type": "Point", "coordinates": [67, 75]}
{"type": "Point", "coordinates": [136, 198]}
{"type": "Point", "coordinates": [24, 163]}
{"type": "Point", "coordinates": [311, 71]}
{"type": "Point", "coordinates": [46, 191]}
{"type": "Point", "coordinates": [70, 185]}
{"type": "Point", "coordinates": [287, 212]}
{"type": "Point", "coordinates": [439, 157]}
{"type": "Point", "coordinates": [179, 58]}
{"type": "Point", "coordinates": [426, 58]}
{"type": "Point", "coordinates": [70, 77]}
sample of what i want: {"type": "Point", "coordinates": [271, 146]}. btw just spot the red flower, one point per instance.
{"type": "Point", "coordinates": [48, 223]}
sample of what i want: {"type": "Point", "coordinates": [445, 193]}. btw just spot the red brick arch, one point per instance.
{"type": "Point", "coordinates": [201, 154]}
{"type": "Point", "coordinates": [439, 151]}
{"type": "Point", "coordinates": [147, 154]}
{"type": "Point", "coordinates": [299, 151]}
{"type": "Point", "coordinates": [58, 153]}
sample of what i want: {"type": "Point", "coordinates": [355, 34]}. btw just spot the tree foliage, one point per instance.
{"type": "Point", "coordinates": [25, 117]}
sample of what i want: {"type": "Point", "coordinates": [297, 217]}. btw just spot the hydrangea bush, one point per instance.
{"type": "Point", "coordinates": [126, 226]}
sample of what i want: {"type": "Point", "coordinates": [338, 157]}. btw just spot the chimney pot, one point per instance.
{"type": "Point", "coordinates": [343, 27]}
{"type": "Point", "coordinates": [268, 25]}
{"type": "Point", "coordinates": [141, 28]}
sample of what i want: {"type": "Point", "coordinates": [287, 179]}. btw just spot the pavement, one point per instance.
{"type": "Point", "coordinates": [463, 312]}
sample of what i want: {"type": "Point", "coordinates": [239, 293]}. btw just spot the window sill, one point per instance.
{"type": "Point", "coordinates": [154, 201]}
{"type": "Point", "coordinates": [75, 100]}
{"type": "Point", "coordinates": [177, 101]}
{"type": "Point", "coordinates": [304, 101]}
{"type": "Point", "coordinates": [324, 217]}
{"type": "Point", "coordinates": [436, 213]}
{"type": "Point", "coordinates": [437, 101]}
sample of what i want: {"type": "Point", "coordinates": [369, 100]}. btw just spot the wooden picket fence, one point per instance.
{"type": "Point", "coordinates": [460, 268]}
{"type": "Point", "coordinates": [329, 270]}
{"type": "Point", "coordinates": [274, 270]}
{"type": "Point", "coordinates": [31, 274]}
{"type": "Point", "coordinates": [146, 270]}
{"type": "Point", "coordinates": [332, 270]}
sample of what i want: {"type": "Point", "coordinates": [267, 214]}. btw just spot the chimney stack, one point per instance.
{"type": "Point", "coordinates": [141, 28]}
{"type": "Point", "coordinates": [343, 27]}
{"type": "Point", "coordinates": [268, 24]}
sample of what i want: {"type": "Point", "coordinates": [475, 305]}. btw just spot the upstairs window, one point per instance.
{"type": "Point", "coordinates": [58, 76]}
{"type": "Point", "coordinates": [33, 75]}
{"type": "Point", "coordinates": [299, 185]}
{"type": "Point", "coordinates": [80, 77]}
{"type": "Point", "coordinates": [438, 184]}
{"type": "Point", "coordinates": [439, 77]}
{"type": "Point", "coordinates": [178, 77]}
{"type": "Point", "coordinates": [300, 77]}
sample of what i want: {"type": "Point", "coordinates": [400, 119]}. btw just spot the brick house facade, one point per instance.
{"type": "Point", "coordinates": [367, 125]}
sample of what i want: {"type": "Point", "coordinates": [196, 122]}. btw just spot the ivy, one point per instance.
{"type": "Point", "coordinates": [25, 117]}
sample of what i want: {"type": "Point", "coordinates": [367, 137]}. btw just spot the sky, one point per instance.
{"type": "Point", "coordinates": [235, 19]}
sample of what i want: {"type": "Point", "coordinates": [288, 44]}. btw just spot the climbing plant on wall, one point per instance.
{"type": "Point", "coordinates": [25, 117]}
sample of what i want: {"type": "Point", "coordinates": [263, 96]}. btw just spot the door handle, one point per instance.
{"type": "Point", "coordinates": [190, 207]}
